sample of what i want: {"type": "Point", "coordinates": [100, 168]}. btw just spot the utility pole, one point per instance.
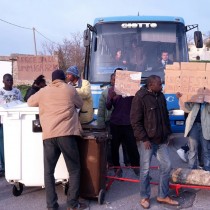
{"type": "Point", "coordinates": [34, 41]}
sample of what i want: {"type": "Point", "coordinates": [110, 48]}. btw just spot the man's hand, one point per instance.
{"type": "Point", "coordinates": [178, 95]}
{"type": "Point", "coordinates": [147, 145]}
{"type": "Point", "coordinates": [112, 94]}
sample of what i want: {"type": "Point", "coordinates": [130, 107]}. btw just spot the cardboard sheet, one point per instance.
{"type": "Point", "coordinates": [127, 83]}
{"type": "Point", "coordinates": [192, 80]}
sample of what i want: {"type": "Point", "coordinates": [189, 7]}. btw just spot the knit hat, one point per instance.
{"type": "Point", "coordinates": [73, 70]}
{"type": "Point", "coordinates": [58, 74]}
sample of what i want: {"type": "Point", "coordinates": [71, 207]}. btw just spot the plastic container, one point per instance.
{"type": "Point", "coordinates": [23, 150]}
{"type": "Point", "coordinates": [92, 150]}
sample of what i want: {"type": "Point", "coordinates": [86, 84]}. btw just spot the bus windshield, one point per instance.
{"type": "Point", "coordinates": [137, 48]}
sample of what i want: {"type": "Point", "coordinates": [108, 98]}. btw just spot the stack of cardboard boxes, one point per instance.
{"type": "Point", "coordinates": [190, 79]}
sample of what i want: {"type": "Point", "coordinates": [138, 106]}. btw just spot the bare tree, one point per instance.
{"type": "Point", "coordinates": [207, 40]}
{"type": "Point", "coordinates": [48, 48]}
{"type": "Point", "coordinates": [70, 52]}
{"type": "Point", "coordinates": [189, 39]}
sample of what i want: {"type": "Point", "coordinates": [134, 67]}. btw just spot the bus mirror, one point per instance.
{"type": "Point", "coordinates": [198, 39]}
{"type": "Point", "coordinates": [86, 38]}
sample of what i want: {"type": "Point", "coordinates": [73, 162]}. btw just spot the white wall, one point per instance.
{"type": "Point", "coordinates": [5, 68]}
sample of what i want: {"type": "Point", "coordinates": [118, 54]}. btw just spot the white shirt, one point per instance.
{"type": "Point", "coordinates": [164, 62]}
{"type": "Point", "coordinates": [7, 96]}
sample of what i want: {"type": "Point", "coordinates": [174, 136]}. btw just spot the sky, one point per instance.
{"type": "Point", "coordinates": [58, 20]}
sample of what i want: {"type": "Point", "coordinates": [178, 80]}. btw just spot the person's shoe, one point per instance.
{"type": "Point", "coordinates": [118, 172]}
{"type": "Point", "coordinates": [181, 154]}
{"type": "Point", "coordinates": [56, 207]}
{"type": "Point", "coordinates": [80, 206]}
{"type": "Point", "coordinates": [145, 203]}
{"type": "Point", "coordinates": [127, 164]}
{"type": "Point", "coordinates": [167, 200]}
{"type": "Point", "coordinates": [137, 171]}
{"type": "Point", "coordinates": [110, 164]}
{"type": "Point", "coordinates": [2, 174]}
{"type": "Point", "coordinates": [200, 167]}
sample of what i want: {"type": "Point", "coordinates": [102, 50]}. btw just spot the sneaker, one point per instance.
{"type": "Point", "coordinates": [181, 154]}
{"type": "Point", "coordinates": [80, 206]}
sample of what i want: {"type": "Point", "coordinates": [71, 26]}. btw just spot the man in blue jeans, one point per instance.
{"type": "Point", "coordinates": [58, 103]}
{"type": "Point", "coordinates": [197, 128]}
{"type": "Point", "coordinates": [151, 126]}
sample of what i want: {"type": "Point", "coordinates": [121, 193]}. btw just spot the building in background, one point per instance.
{"type": "Point", "coordinates": [25, 68]}
{"type": "Point", "coordinates": [5, 68]}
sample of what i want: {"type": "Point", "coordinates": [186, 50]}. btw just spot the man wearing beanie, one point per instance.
{"type": "Point", "coordinates": [83, 88]}
{"type": "Point", "coordinates": [57, 104]}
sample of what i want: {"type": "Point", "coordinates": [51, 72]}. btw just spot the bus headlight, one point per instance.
{"type": "Point", "coordinates": [95, 111]}
{"type": "Point", "coordinates": [176, 112]}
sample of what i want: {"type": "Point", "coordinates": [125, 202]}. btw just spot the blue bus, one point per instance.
{"type": "Point", "coordinates": [110, 43]}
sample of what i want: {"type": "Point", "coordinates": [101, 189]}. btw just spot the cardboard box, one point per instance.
{"type": "Point", "coordinates": [207, 98]}
{"type": "Point", "coordinates": [172, 81]}
{"type": "Point", "coordinates": [192, 83]}
{"type": "Point", "coordinates": [192, 80]}
{"type": "Point", "coordinates": [193, 66]}
{"type": "Point", "coordinates": [208, 67]}
{"type": "Point", "coordinates": [198, 98]}
{"type": "Point", "coordinates": [207, 82]}
{"type": "Point", "coordinates": [174, 66]}
{"type": "Point", "coordinates": [127, 83]}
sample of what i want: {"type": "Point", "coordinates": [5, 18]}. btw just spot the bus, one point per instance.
{"type": "Point", "coordinates": [136, 43]}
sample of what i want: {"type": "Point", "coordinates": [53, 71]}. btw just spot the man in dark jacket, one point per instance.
{"type": "Point", "coordinates": [161, 65]}
{"type": "Point", "coordinates": [121, 129]}
{"type": "Point", "coordinates": [39, 83]}
{"type": "Point", "coordinates": [150, 122]}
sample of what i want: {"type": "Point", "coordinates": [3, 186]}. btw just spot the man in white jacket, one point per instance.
{"type": "Point", "coordinates": [198, 130]}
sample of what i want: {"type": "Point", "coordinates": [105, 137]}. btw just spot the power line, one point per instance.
{"type": "Point", "coordinates": [16, 25]}
{"type": "Point", "coordinates": [46, 37]}
{"type": "Point", "coordinates": [32, 29]}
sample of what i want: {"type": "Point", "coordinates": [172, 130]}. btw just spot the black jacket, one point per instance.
{"type": "Point", "coordinates": [160, 67]}
{"type": "Point", "coordinates": [32, 90]}
{"type": "Point", "coordinates": [149, 117]}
